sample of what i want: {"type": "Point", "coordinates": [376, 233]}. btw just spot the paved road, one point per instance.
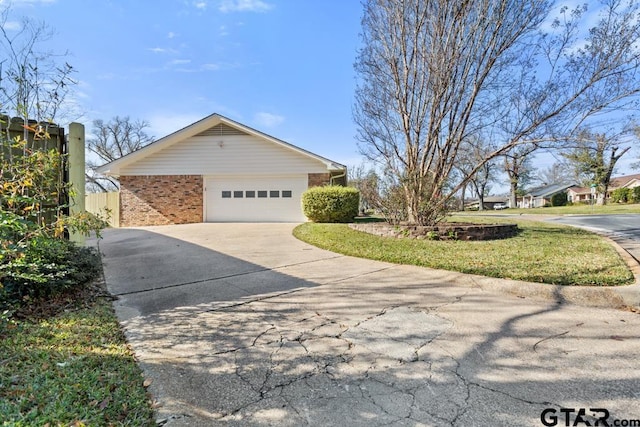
{"type": "Point", "coordinates": [628, 225]}
{"type": "Point", "coordinates": [243, 325]}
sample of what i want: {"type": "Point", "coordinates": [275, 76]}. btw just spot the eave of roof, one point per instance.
{"type": "Point", "coordinates": [623, 181]}
{"type": "Point", "coordinates": [114, 167]}
{"type": "Point", "coordinates": [548, 190]}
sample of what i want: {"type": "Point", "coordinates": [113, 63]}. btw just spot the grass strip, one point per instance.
{"type": "Point", "coordinates": [73, 368]}
{"type": "Point", "coordinates": [541, 252]}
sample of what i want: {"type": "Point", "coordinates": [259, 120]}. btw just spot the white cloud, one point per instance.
{"type": "Point", "coordinates": [26, 2]}
{"type": "Point", "coordinates": [171, 35]}
{"type": "Point", "coordinates": [215, 66]}
{"type": "Point", "coordinates": [227, 6]}
{"type": "Point", "coordinates": [211, 67]}
{"type": "Point", "coordinates": [162, 50]}
{"type": "Point", "coordinates": [268, 120]}
{"type": "Point", "coordinates": [12, 26]}
{"type": "Point", "coordinates": [200, 5]}
{"type": "Point", "coordinates": [107, 76]}
{"type": "Point", "coordinates": [180, 62]}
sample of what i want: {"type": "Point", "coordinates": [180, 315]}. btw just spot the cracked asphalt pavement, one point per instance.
{"type": "Point", "coordinates": [243, 325]}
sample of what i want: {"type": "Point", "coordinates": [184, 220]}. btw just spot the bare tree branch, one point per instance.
{"type": "Point", "coordinates": [112, 140]}
{"type": "Point", "coordinates": [432, 74]}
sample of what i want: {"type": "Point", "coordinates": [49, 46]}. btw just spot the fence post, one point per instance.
{"type": "Point", "coordinates": [76, 174]}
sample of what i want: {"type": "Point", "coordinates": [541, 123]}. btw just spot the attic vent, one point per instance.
{"type": "Point", "coordinates": [221, 130]}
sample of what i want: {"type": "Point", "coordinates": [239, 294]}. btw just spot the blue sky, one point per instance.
{"type": "Point", "coordinates": [284, 67]}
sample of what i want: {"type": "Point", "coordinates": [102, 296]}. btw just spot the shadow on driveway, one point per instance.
{"type": "Point", "coordinates": [151, 272]}
{"type": "Point", "coordinates": [229, 341]}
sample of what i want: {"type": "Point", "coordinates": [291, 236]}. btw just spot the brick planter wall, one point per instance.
{"type": "Point", "coordinates": [443, 232]}
{"type": "Point", "coordinates": [160, 200]}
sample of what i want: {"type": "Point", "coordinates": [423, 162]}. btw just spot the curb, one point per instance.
{"type": "Point", "coordinates": [618, 297]}
{"type": "Point", "coordinates": [621, 297]}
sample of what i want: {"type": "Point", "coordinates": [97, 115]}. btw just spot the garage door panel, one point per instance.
{"type": "Point", "coordinates": [267, 198]}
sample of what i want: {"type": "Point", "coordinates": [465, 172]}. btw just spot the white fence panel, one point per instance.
{"type": "Point", "coordinates": [106, 205]}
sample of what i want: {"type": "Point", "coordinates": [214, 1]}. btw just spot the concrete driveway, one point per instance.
{"type": "Point", "coordinates": [243, 325]}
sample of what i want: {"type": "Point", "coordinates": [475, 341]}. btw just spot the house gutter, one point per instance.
{"type": "Point", "coordinates": [343, 174]}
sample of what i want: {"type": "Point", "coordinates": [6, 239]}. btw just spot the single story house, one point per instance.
{"type": "Point", "coordinates": [626, 181]}
{"type": "Point", "coordinates": [541, 196]}
{"type": "Point", "coordinates": [577, 194]}
{"type": "Point", "coordinates": [218, 170]}
{"type": "Point", "coordinates": [583, 194]}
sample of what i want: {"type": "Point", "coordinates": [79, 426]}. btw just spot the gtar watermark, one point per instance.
{"type": "Point", "coordinates": [571, 417]}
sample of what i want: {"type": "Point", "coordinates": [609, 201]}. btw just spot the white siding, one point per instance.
{"type": "Point", "coordinates": [227, 155]}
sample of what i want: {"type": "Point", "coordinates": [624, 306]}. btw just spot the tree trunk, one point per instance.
{"type": "Point", "coordinates": [513, 194]}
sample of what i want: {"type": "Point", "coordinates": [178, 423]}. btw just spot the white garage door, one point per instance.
{"type": "Point", "coordinates": [255, 199]}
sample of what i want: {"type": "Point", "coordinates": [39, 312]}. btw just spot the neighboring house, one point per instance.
{"type": "Point", "coordinates": [218, 170]}
{"type": "Point", "coordinates": [541, 196]}
{"type": "Point", "coordinates": [583, 194]}
{"type": "Point", "coordinates": [627, 181]}
{"type": "Point", "coordinates": [579, 194]}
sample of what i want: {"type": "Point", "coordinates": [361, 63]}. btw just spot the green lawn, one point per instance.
{"type": "Point", "coordinates": [541, 252]}
{"type": "Point", "coordinates": [569, 210]}
{"type": "Point", "coordinates": [70, 369]}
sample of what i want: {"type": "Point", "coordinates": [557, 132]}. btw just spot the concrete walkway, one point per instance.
{"type": "Point", "coordinates": [242, 324]}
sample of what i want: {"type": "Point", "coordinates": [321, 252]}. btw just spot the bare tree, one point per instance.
{"type": "Point", "coordinates": [517, 165]}
{"type": "Point", "coordinates": [34, 85]}
{"type": "Point", "coordinates": [112, 140]}
{"type": "Point", "coordinates": [471, 153]}
{"type": "Point", "coordinates": [481, 181]}
{"type": "Point", "coordinates": [366, 181]}
{"type": "Point", "coordinates": [594, 156]}
{"type": "Point", "coordinates": [434, 72]}
{"type": "Point", "coordinates": [559, 172]}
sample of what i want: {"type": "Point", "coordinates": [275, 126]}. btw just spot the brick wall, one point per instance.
{"type": "Point", "coordinates": [319, 179]}
{"type": "Point", "coordinates": [160, 200]}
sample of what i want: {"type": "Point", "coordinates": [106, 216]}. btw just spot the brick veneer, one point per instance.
{"type": "Point", "coordinates": [319, 179]}
{"type": "Point", "coordinates": [160, 199]}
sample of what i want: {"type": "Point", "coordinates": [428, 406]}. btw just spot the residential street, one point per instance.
{"type": "Point", "coordinates": [626, 224]}
{"type": "Point", "coordinates": [243, 325]}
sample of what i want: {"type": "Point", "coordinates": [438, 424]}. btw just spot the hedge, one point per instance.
{"type": "Point", "coordinates": [559, 199]}
{"type": "Point", "coordinates": [331, 204]}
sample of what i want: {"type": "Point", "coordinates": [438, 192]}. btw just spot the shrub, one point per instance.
{"type": "Point", "coordinates": [331, 204]}
{"type": "Point", "coordinates": [621, 195]}
{"type": "Point", "coordinates": [35, 261]}
{"type": "Point", "coordinates": [46, 267]}
{"type": "Point", "coordinates": [635, 195]}
{"type": "Point", "coordinates": [559, 199]}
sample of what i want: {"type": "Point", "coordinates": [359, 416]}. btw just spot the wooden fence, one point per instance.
{"type": "Point", "coordinates": [104, 204]}
{"type": "Point", "coordinates": [11, 128]}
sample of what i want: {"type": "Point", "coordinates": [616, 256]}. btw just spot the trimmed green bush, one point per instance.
{"type": "Point", "coordinates": [635, 195]}
{"type": "Point", "coordinates": [559, 199]}
{"type": "Point", "coordinates": [331, 204]}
